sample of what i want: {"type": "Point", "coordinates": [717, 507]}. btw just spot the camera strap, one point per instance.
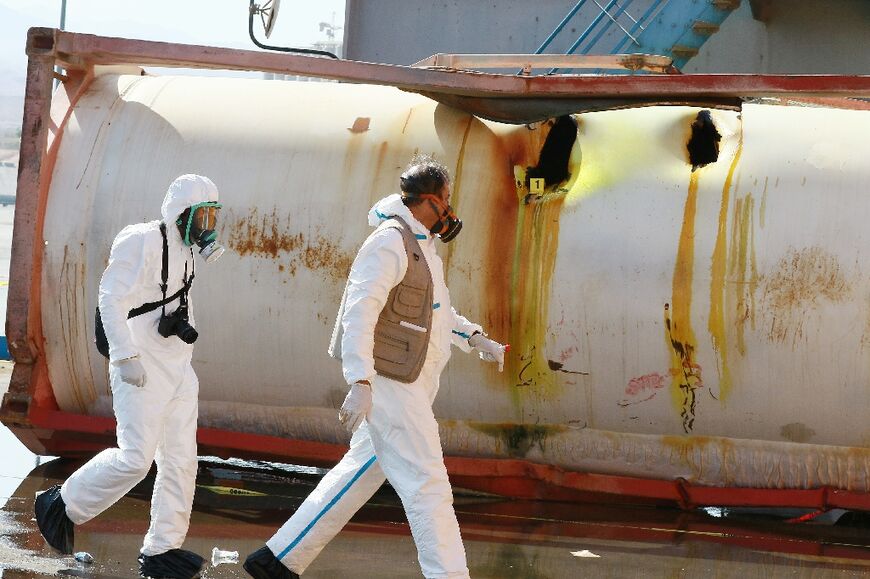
{"type": "Point", "coordinates": [164, 278]}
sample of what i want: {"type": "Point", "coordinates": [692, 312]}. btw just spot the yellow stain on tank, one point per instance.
{"type": "Point", "coordinates": [537, 242]}
{"type": "Point", "coordinates": [534, 260]}
{"type": "Point", "coordinates": [742, 268]}
{"type": "Point", "coordinates": [620, 149]}
{"type": "Point", "coordinates": [679, 333]}
{"type": "Point", "coordinates": [699, 453]}
{"type": "Point", "coordinates": [718, 269]}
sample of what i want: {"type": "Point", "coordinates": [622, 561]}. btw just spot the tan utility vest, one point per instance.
{"type": "Point", "coordinates": [403, 328]}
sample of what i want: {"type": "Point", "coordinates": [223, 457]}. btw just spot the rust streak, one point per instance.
{"type": "Point", "coordinates": [802, 280]}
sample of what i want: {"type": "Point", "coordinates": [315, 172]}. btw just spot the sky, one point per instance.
{"type": "Point", "coordinates": [211, 22]}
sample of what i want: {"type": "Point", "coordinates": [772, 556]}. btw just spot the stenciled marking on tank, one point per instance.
{"type": "Point", "coordinates": [270, 236]}
{"type": "Point", "coordinates": [678, 322]}
{"type": "Point", "coordinates": [718, 270]}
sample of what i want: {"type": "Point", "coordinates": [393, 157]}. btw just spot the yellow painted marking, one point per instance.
{"type": "Point", "coordinates": [536, 186]}
{"type": "Point", "coordinates": [233, 491]}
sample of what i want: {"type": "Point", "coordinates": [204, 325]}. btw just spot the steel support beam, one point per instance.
{"type": "Point", "coordinates": [81, 50]}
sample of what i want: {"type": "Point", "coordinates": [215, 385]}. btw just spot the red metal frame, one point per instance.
{"type": "Point", "coordinates": [83, 50]}
{"type": "Point", "coordinates": [30, 408]}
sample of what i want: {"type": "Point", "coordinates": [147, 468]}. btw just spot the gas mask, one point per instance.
{"type": "Point", "coordinates": [197, 225]}
{"type": "Point", "coordinates": [448, 225]}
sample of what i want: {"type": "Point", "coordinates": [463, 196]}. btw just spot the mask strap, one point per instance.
{"type": "Point", "coordinates": [164, 270]}
{"type": "Point", "coordinates": [437, 204]}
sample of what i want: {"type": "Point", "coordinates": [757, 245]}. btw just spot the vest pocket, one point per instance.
{"type": "Point", "coordinates": [409, 302]}
{"type": "Point", "coordinates": [391, 348]}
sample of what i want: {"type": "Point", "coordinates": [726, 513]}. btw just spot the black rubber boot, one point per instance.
{"type": "Point", "coordinates": [262, 564]}
{"type": "Point", "coordinates": [55, 526]}
{"type": "Point", "coordinates": [173, 564]}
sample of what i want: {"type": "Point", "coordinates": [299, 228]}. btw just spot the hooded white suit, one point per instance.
{"type": "Point", "coordinates": [399, 440]}
{"type": "Point", "coordinates": [157, 421]}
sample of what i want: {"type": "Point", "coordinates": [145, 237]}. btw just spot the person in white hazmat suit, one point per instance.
{"type": "Point", "coordinates": [395, 435]}
{"type": "Point", "coordinates": [149, 326]}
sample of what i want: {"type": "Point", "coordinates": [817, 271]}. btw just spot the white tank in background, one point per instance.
{"type": "Point", "coordinates": [709, 324]}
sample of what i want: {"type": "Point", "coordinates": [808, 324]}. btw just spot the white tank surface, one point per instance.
{"type": "Point", "coordinates": [708, 324]}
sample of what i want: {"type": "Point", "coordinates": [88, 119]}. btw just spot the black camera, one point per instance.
{"type": "Point", "coordinates": [176, 324]}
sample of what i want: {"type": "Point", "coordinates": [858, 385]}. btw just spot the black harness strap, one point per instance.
{"type": "Point", "coordinates": [164, 278]}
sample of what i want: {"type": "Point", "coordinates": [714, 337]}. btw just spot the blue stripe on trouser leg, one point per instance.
{"type": "Point", "coordinates": [329, 505]}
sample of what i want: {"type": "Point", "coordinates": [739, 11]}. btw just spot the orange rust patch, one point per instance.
{"type": "Point", "coordinates": [271, 237]}
{"type": "Point", "coordinates": [324, 255]}
{"type": "Point", "coordinates": [503, 213]}
{"type": "Point", "coordinates": [802, 280]}
{"type": "Point", "coordinates": [360, 125]}
{"type": "Point", "coordinates": [262, 237]}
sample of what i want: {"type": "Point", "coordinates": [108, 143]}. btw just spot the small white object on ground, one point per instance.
{"type": "Point", "coordinates": [84, 557]}
{"type": "Point", "coordinates": [218, 556]}
{"type": "Point", "coordinates": [585, 553]}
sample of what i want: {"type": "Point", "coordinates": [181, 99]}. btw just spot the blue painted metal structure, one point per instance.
{"type": "Point", "coordinates": [675, 28]}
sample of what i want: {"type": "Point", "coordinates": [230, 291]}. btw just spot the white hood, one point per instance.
{"type": "Point", "coordinates": [392, 206]}
{"type": "Point", "coordinates": [184, 192]}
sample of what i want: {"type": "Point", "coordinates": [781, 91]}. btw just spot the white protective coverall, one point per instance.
{"type": "Point", "coordinates": [157, 421]}
{"type": "Point", "coordinates": [399, 440]}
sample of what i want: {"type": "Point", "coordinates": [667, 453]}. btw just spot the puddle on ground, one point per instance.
{"type": "Point", "coordinates": [239, 504]}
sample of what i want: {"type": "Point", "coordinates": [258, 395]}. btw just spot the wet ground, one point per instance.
{"type": "Point", "coordinates": [239, 504]}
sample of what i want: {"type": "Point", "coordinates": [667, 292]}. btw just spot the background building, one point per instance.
{"type": "Point", "coordinates": [763, 36]}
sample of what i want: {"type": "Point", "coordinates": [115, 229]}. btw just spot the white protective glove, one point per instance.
{"type": "Point", "coordinates": [490, 350]}
{"type": "Point", "coordinates": [357, 405]}
{"type": "Point", "coordinates": [131, 371]}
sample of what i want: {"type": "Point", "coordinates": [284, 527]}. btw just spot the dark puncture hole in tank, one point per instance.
{"type": "Point", "coordinates": [553, 161]}
{"type": "Point", "coordinates": [703, 145]}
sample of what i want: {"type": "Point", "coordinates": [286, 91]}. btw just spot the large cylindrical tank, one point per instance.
{"type": "Point", "coordinates": [707, 323]}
